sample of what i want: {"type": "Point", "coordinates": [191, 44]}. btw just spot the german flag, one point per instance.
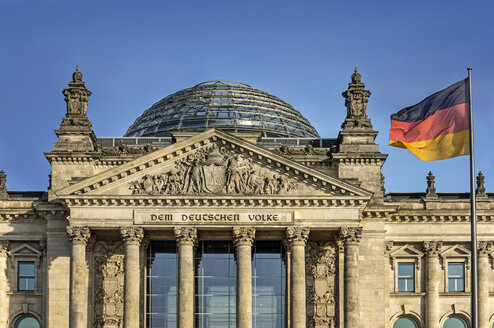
{"type": "Point", "coordinates": [437, 127]}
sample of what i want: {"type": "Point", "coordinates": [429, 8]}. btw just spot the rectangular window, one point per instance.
{"type": "Point", "coordinates": [25, 275]}
{"type": "Point", "coordinates": [456, 277]}
{"type": "Point", "coordinates": [406, 277]}
{"type": "Point", "coordinates": [162, 266]}
{"type": "Point", "coordinates": [268, 285]}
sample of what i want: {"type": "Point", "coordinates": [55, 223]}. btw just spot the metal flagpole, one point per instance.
{"type": "Point", "coordinates": [473, 216]}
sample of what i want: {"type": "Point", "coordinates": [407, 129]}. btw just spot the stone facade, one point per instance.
{"type": "Point", "coordinates": [344, 237]}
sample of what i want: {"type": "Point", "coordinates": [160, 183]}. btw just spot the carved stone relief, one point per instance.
{"type": "Point", "coordinates": [214, 170]}
{"type": "Point", "coordinates": [108, 284]}
{"type": "Point", "coordinates": [320, 275]}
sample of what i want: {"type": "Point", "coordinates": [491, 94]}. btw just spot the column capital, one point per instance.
{"type": "Point", "coordinates": [297, 235]}
{"type": "Point", "coordinates": [350, 235]}
{"type": "Point", "coordinates": [243, 235]}
{"type": "Point", "coordinates": [185, 235]}
{"type": "Point", "coordinates": [4, 247]}
{"type": "Point", "coordinates": [132, 235]}
{"type": "Point", "coordinates": [432, 247]}
{"type": "Point", "coordinates": [78, 235]}
{"type": "Point", "coordinates": [485, 247]}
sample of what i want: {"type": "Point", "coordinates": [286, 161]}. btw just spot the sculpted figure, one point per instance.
{"type": "Point", "coordinates": [147, 184]}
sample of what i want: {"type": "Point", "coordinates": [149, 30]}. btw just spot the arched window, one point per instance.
{"type": "Point", "coordinates": [405, 322]}
{"type": "Point", "coordinates": [27, 321]}
{"type": "Point", "coordinates": [455, 322]}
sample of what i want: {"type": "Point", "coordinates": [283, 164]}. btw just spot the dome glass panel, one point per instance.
{"type": "Point", "coordinates": [227, 105]}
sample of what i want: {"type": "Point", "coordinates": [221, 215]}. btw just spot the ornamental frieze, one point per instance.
{"type": "Point", "coordinates": [214, 170]}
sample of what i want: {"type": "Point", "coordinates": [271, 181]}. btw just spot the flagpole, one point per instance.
{"type": "Point", "coordinates": [473, 216]}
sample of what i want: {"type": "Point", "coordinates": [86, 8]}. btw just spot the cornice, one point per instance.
{"type": "Point", "coordinates": [437, 217]}
{"type": "Point", "coordinates": [191, 201]}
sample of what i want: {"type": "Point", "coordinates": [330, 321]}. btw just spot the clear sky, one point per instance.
{"type": "Point", "coordinates": [132, 54]}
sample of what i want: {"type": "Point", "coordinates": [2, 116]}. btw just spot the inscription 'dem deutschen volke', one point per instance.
{"type": "Point", "coordinates": [213, 218]}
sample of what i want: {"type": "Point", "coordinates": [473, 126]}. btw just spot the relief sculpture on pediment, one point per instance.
{"type": "Point", "coordinates": [214, 170]}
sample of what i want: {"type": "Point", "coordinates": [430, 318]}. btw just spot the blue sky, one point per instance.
{"type": "Point", "coordinates": [133, 53]}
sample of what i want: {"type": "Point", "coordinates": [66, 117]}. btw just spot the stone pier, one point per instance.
{"type": "Point", "coordinates": [186, 239]}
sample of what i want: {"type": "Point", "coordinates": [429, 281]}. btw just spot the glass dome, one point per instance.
{"type": "Point", "coordinates": [226, 105]}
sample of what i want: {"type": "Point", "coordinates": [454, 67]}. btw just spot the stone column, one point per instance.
{"type": "Point", "coordinates": [484, 247]}
{"type": "Point", "coordinates": [243, 238]}
{"type": "Point", "coordinates": [79, 276]}
{"type": "Point", "coordinates": [351, 238]}
{"type": "Point", "coordinates": [433, 278]}
{"type": "Point", "coordinates": [132, 236]}
{"type": "Point", "coordinates": [186, 239]}
{"type": "Point", "coordinates": [297, 238]}
{"type": "Point", "coordinates": [4, 284]}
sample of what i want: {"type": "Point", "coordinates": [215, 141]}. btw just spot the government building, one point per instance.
{"type": "Point", "coordinates": [223, 207]}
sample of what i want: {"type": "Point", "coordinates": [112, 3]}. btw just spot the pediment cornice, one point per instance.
{"type": "Point", "coordinates": [328, 191]}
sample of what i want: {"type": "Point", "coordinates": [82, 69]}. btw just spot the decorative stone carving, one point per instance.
{"type": "Point", "coordinates": [432, 248]}
{"type": "Point", "coordinates": [3, 183]}
{"type": "Point", "coordinates": [185, 235]}
{"type": "Point", "coordinates": [78, 235]}
{"type": "Point", "coordinates": [430, 192]}
{"type": "Point", "coordinates": [4, 247]}
{"type": "Point", "coordinates": [308, 150]}
{"type": "Point", "coordinates": [350, 234]}
{"type": "Point", "coordinates": [320, 266]}
{"type": "Point", "coordinates": [297, 235]}
{"type": "Point", "coordinates": [214, 170]}
{"type": "Point", "coordinates": [132, 234]}
{"type": "Point", "coordinates": [243, 235]}
{"type": "Point", "coordinates": [126, 150]}
{"type": "Point", "coordinates": [108, 284]}
{"type": "Point", "coordinates": [356, 98]}
{"type": "Point", "coordinates": [77, 99]}
{"type": "Point", "coordinates": [388, 246]}
{"type": "Point", "coordinates": [485, 247]}
{"type": "Point", "coordinates": [480, 192]}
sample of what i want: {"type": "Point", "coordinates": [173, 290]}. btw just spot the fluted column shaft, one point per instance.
{"type": "Point", "coordinates": [351, 238]}
{"type": "Point", "coordinates": [243, 239]}
{"type": "Point", "coordinates": [132, 236]}
{"type": "Point", "coordinates": [484, 248]}
{"type": "Point", "coordinates": [186, 239]}
{"type": "Point", "coordinates": [297, 239]}
{"type": "Point", "coordinates": [79, 276]}
{"type": "Point", "coordinates": [432, 314]}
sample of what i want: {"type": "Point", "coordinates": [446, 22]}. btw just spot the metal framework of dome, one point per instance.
{"type": "Point", "coordinates": [227, 105]}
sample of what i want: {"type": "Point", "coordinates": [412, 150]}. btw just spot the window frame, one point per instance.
{"type": "Point", "coordinates": [19, 277]}
{"type": "Point", "coordinates": [407, 254]}
{"type": "Point", "coordinates": [459, 254]}
{"type": "Point", "coordinates": [25, 253]}
{"type": "Point", "coordinates": [446, 270]}
{"type": "Point", "coordinates": [414, 277]}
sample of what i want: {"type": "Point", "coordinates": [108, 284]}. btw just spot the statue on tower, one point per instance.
{"type": "Point", "coordinates": [77, 99]}
{"type": "Point", "coordinates": [356, 98]}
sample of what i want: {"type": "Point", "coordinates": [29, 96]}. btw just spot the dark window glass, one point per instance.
{"type": "Point", "coordinates": [406, 277]}
{"type": "Point", "coordinates": [405, 323]}
{"type": "Point", "coordinates": [456, 277]}
{"type": "Point", "coordinates": [216, 281]}
{"type": "Point", "coordinates": [25, 276]}
{"type": "Point", "coordinates": [455, 322]}
{"type": "Point", "coordinates": [27, 322]}
{"type": "Point", "coordinates": [268, 285]}
{"type": "Point", "coordinates": [162, 265]}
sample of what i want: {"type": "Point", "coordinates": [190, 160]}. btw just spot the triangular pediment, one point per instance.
{"type": "Point", "coordinates": [455, 251]}
{"type": "Point", "coordinates": [406, 251]}
{"type": "Point", "coordinates": [25, 250]}
{"type": "Point", "coordinates": [214, 164]}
